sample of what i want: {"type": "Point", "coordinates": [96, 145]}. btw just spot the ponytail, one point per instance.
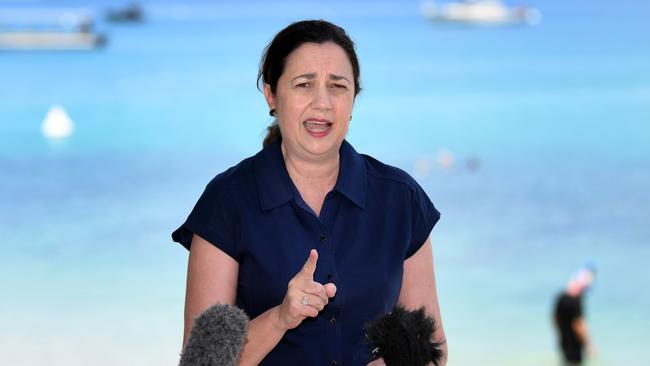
{"type": "Point", "coordinates": [272, 134]}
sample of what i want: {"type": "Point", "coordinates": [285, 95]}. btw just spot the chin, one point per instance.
{"type": "Point", "coordinates": [323, 146]}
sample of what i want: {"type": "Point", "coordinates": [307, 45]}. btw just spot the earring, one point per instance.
{"type": "Point", "coordinates": [350, 117]}
{"type": "Point", "coordinates": [272, 112]}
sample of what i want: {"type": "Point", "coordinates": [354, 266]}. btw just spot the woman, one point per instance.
{"type": "Point", "coordinates": [310, 238]}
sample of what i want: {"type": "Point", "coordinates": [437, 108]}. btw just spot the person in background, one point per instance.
{"type": "Point", "coordinates": [310, 238]}
{"type": "Point", "coordinates": [569, 317]}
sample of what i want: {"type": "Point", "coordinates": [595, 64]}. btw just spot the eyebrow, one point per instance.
{"type": "Point", "coordinates": [312, 75]}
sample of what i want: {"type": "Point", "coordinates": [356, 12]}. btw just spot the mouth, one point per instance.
{"type": "Point", "coordinates": [317, 127]}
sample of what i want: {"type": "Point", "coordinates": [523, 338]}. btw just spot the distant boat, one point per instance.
{"type": "Point", "coordinates": [131, 14]}
{"type": "Point", "coordinates": [480, 12]}
{"type": "Point", "coordinates": [50, 40]}
{"type": "Point", "coordinates": [48, 29]}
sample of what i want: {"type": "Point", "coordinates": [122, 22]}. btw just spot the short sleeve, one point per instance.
{"type": "Point", "coordinates": [213, 218]}
{"type": "Point", "coordinates": [424, 217]}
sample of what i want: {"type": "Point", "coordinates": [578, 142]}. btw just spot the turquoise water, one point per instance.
{"type": "Point", "coordinates": [557, 114]}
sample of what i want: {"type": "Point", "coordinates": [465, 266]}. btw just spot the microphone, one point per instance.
{"type": "Point", "coordinates": [403, 338]}
{"type": "Point", "coordinates": [216, 337]}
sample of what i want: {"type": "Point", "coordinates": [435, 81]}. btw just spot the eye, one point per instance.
{"type": "Point", "coordinates": [339, 86]}
{"type": "Point", "coordinates": [303, 85]}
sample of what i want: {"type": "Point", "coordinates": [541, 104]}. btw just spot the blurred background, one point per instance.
{"type": "Point", "coordinates": [529, 130]}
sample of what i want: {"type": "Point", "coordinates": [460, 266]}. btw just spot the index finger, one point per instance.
{"type": "Point", "coordinates": [310, 265]}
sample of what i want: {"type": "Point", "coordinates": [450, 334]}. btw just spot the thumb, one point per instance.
{"type": "Point", "coordinates": [330, 289]}
{"type": "Point", "coordinates": [309, 267]}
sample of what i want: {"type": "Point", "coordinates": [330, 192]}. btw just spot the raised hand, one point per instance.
{"type": "Point", "coordinates": [304, 297]}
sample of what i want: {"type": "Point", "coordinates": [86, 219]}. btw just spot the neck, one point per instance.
{"type": "Point", "coordinates": [574, 291]}
{"type": "Point", "coordinates": [321, 172]}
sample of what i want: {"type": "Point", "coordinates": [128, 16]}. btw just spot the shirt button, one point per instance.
{"type": "Point", "coordinates": [333, 363]}
{"type": "Point", "coordinates": [333, 320]}
{"type": "Point", "coordinates": [323, 238]}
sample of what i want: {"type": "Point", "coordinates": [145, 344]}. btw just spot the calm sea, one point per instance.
{"type": "Point", "coordinates": [554, 120]}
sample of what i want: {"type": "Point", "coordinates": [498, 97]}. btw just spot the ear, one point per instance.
{"type": "Point", "coordinates": [269, 96]}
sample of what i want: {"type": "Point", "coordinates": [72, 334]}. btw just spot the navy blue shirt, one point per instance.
{"type": "Point", "coordinates": [375, 217]}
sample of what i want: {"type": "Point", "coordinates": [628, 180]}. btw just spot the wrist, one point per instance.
{"type": "Point", "coordinates": [276, 318]}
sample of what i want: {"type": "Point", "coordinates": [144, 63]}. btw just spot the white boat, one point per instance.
{"type": "Point", "coordinates": [480, 12]}
{"type": "Point", "coordinates": [48, 29]}
{"type": "Point", "coordinates": [50, 40]}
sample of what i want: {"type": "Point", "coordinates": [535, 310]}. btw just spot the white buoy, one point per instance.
{"type": "Point", "coordinates": [57, 123]}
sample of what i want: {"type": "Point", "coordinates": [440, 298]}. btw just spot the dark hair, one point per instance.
{"type": "Point", "coordinates": [288, 40]}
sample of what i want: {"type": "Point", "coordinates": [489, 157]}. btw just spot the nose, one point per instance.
{"type": "Point", "coordinates": [322, 98]}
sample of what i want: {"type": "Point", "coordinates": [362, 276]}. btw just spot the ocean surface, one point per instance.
{"type": "Point", "coordinates": [548, 127]}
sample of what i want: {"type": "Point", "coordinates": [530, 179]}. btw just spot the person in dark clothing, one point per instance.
{"type": "Point", "coordinates": [569, 319]}
{"type": "Point", "coordinates": [310, 238]}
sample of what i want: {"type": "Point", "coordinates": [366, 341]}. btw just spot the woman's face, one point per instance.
{"type": "Point", "coordinates": [313, 100]}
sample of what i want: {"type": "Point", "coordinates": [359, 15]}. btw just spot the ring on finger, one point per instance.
{"type": "Point", "coordinates": [304, 301]}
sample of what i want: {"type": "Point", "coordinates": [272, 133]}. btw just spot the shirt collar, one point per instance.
{"type": "Point", "coordinates": [351, 181]}
{"type": "Point", "coordinates": [275, 187]}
